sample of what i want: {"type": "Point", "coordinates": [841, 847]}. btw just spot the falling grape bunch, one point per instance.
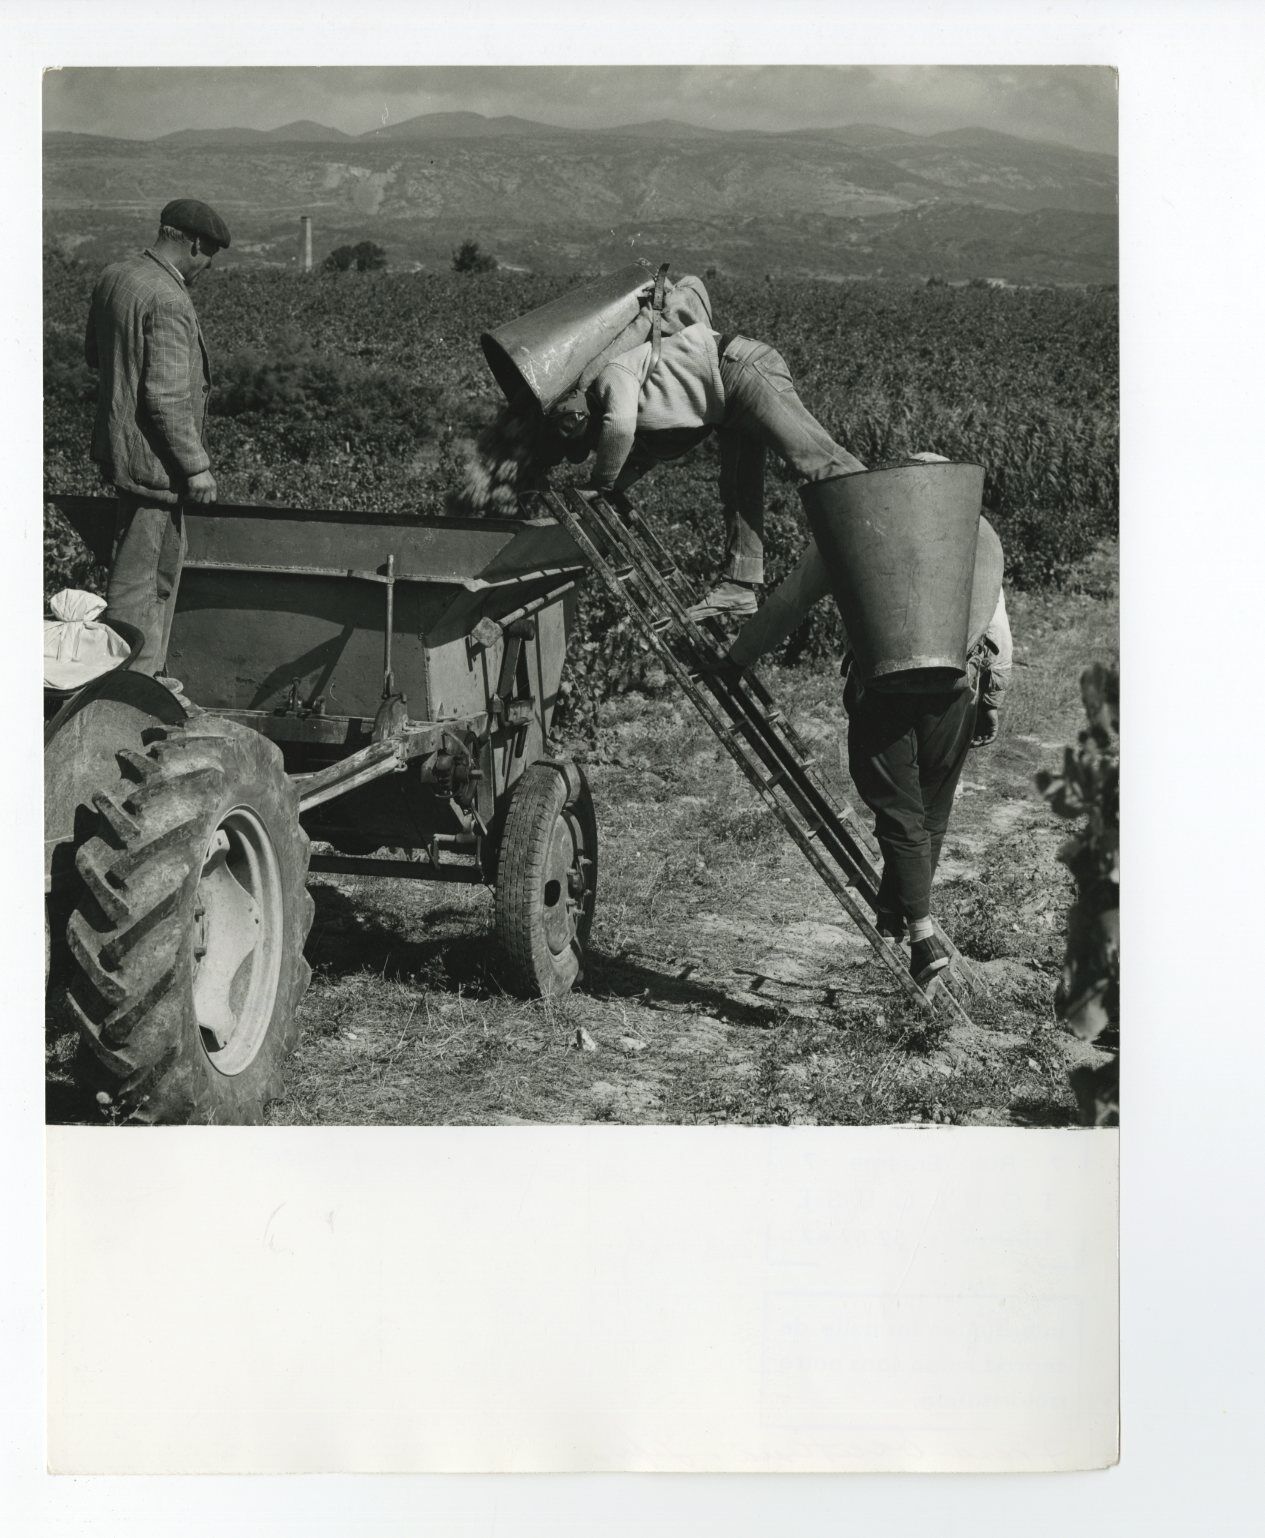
{"type": "Point", "coordinates": [502, 464]}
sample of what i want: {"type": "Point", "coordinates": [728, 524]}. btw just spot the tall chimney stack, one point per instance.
{"type": "Point", "coordinates": [305, 242]}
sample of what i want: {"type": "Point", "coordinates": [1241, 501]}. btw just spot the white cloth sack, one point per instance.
{"type": "Point", "coordinates": [77, 646]}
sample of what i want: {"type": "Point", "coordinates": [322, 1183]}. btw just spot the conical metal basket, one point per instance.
{"type": "Point", "coordinates": [545, 351]}
{"type": "Point", "coordinates": [899, 548]}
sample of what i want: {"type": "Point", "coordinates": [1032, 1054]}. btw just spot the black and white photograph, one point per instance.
{"type": "Point", "coordinates": [590, 565]}
{"type": "Point", "coordinates": [581, 595]}
{"type": "Point", "coordinates": [590, 562]}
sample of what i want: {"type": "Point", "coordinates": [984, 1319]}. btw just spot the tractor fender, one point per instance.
{"type": "Point", "coordinates": [82, 742]}
{"type": "Point", "coordinates": [570, 772]}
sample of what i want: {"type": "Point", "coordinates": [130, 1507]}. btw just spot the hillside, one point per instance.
{"type": "Point", "coordinates": [852, 202]}
{"type": "Point", "coordinates": [302, 132]}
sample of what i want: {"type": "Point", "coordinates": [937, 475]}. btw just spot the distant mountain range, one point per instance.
{"type": "Point", "coordinates": [859, 200]}
{"type": "Point", "coordinates": [304, 132]}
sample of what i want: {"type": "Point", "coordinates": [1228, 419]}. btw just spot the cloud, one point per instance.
{"type": "Point", "coordinates": [1071, 104]}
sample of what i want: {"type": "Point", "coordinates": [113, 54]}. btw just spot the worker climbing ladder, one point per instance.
{"type": "Point", "coordinates": [640, 573]}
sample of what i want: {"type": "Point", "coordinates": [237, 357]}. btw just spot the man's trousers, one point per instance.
{"type": "Point", "coordinates": [763, 411]}
{"type": "Point", "coordinates": [905, 753]}
{"type": "Point", "coordinates": [149, 551]}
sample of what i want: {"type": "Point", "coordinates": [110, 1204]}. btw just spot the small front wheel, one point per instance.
{"type": "Point", "coordinates": [546, 879]}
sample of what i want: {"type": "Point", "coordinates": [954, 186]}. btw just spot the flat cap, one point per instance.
{"type": "Point", "coordinates": [196, 218]}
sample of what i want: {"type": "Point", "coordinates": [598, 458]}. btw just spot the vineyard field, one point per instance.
{"type": "Point", "coordinates": [365, 391]}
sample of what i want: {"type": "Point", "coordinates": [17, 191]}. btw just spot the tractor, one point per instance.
{"type": "Point", "coordinates": [374, 695]}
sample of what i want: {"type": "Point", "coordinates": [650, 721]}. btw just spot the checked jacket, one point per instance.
{"type": "Point", "coordinates": [154, 380]}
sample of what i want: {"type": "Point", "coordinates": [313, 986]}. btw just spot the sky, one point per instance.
{"type": "Point", "coordinates": [1073, 105]}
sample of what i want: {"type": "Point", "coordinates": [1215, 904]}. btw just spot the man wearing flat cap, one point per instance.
{"type": "Point", "coordinates": [152, 391]}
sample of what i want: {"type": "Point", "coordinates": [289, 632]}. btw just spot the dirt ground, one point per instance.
{"type": "Point", "coordinates": [725, 984]}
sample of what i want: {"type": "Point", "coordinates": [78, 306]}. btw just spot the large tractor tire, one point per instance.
{"type": "Point", "coordinates": [546, 880]}
{"type": "Point", "coordinates": [187, 944]}
{"type": "Point", "coordinates": [82, 743]}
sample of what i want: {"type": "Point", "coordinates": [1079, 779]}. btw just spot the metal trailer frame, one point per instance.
{"type": "Point", "coordinates": [407, 666]}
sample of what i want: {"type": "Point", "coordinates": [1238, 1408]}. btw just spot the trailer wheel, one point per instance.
{"type": "Point", "coordinates": [187, 944]}
{"type": "Point", "coordinates": [546, 879]}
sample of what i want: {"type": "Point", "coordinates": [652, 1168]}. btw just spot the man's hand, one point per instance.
{"type": "Point", "coordinates": [987, 726]}
{"type": "Point", "coordinates": [201, 487]}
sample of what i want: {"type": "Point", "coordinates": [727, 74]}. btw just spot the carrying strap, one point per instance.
{"type": "Point", "coordinates": [656, 314]}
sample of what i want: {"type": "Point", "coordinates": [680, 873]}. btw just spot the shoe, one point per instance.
{"type": "Point", "coordinates": [728, 600]}
{"type": "Point", "coordinates": [926, 958]}
{"type": "Point", "coordinates": [890, 925]}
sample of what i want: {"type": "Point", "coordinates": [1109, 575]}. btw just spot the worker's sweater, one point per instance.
{"type": "Point", "coordinates": [682, 391]}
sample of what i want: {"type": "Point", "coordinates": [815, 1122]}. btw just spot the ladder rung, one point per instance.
{"type": "Point", "coordinates": [790, 771]}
